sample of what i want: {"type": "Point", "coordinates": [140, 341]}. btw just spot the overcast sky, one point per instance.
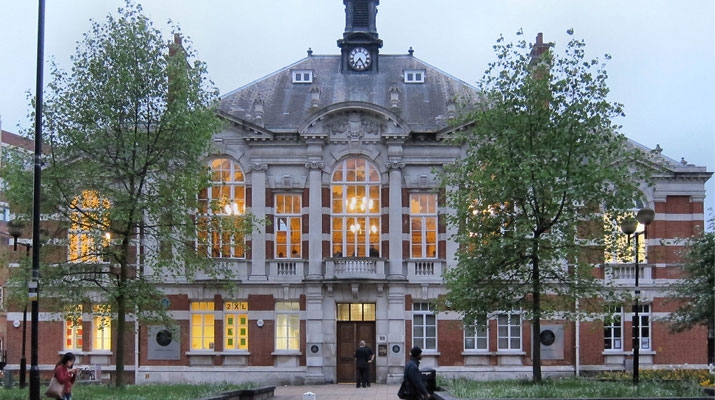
{"type": "Point", "coordinates": [662, 70]}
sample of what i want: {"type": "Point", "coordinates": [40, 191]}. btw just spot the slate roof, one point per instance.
{"type": "Point", "coordinates": [286, 105]}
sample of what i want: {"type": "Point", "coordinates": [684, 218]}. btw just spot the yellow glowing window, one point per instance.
{"type": "Point", "coordinates": [235, 320]}
{"type": "Point", "coordinates": [287, 325]}
{"type": "Point", "coordinates": [202, 325]}
{"type": "Point", "coordinates": [423, 225]}
{"type": "Point", "coordinates": [219, 234]}
{"type": "Point", "coordinates": [87, 235]}
{"type": "Point", "coordinates": [102, 326]}
{"type": "Point", "coordinates": [73, 329]}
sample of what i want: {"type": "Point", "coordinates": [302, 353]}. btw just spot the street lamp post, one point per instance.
{"type": "Point", "coordinates": [15, 229]}
{"type": "Point", "coordinates": [630, 227]}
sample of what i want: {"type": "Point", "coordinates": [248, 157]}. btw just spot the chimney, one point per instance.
{"type": "Point", "coordinates": [539, 48]}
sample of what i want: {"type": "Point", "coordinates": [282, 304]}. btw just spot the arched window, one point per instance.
{"type": "Point", "coordinates": [87, 233]}
{"type": "Point", "coordinates": [219, 233]}
{"type": "Point", "coordinates": [356, 209]}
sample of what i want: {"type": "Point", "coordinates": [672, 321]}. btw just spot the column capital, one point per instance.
{"type": "Point", "coordinates": [258, 167]}
{"type": "Point", "coordinates": [315, 165]}
{"type": "Point", "coordinates": [395, 164]}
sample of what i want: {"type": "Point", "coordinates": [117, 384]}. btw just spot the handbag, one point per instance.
{"type": "Point", "coordinates": [55, 390]}
{"type": "Point", "coordinates": [404, 391]}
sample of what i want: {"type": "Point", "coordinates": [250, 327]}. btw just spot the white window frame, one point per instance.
{"type": "Point", "coordinates": [644, 326]}
{"type": "Point", "coordinates": [414, 75]}
{"type": "Point", "coordinates": [613, 330]}
{"type": "Point", "coordinates": [424, 326]}
{"type": "Point", "coordinates": [203, 326]}
{"type": "Point", "coordinates": [287, 334]}
{"type": "Point", "coordinates": [356, 208]}
{"type": "Point", "coordinates": [302, 75]}
{"type": "Point", "coordinates": [420, 222]}
{"type": "Point", "coordinates": [476, 336]}
{"type": "Point", "coordinates": [288, 221]}
{"type": "Point", "coordinates": [224, 198]}
{"type": "Point", "coordinates": [509, 332]}
{"type": "Point", "coordinates": [101, 330]}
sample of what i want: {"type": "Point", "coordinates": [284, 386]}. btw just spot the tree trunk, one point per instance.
{"type": "Point", "coordinates": [536, 320]}
{"type": "Point", "coordinates": [122, 312]}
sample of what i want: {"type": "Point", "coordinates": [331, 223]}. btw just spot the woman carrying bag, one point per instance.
{"type": "Point", "coordinates": [65, 374]}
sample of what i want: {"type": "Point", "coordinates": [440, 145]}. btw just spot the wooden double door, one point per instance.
{"type": "Point", "coordinates": [350, 333]}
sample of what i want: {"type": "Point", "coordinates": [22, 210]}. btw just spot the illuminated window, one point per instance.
{"type": "Point", "coordinates": [356, 312]}
{"type": "Point", "coordinates": [424, 326]}
{"type": "Point", "coordinates": [423, 225]}
{"type": "Point", "coordinates": [102, 328]}
{"type": "Point", "coordinates": [476, 336]}
{"type": "Point", "coordinates": [202, 325]}
{"type": "Point", "coordinates": [288, 226]}
{"type": "Point", "coordinates": [613, 330]}
{"type": "Point", "coordinates": [235, 321]}
{"type": "Point", "coordinates": [219, 233]}
{"type": "Point", "coordinates": [509, 331]}
{"type": "Point", "coordinates": [73, 329]}
{"type": "Point", "coordinates": [355, 209]}
{"type": "Point", "coordinates": [87, 239]}
{"type": "Point", "coordinates": [287, 325]}
{"type": "Point", "coordinates": [620, 247]}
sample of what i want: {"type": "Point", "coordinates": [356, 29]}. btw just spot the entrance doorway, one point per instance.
{"type": "Point", "coordinates": [356, 322]}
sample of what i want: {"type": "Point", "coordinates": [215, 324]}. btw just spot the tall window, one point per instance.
{"type": "Point", "coordinates": [424, 326]}
{"type": "Point", "coordinates": [88, 214]}
{"type": "Point", "coordinates": [613, 329]}
{"type": "Point", "coordinates": [356, 209]}
{"type": "Point", "coordinates": [102, 328]}
{"type": "Point", "coordinates": [219, 233]}
{"type": "Point", "coordinates": [288, 226]}
{"type": "Point", "coordinates": [621, 248]}
{"type": "Point", "coordinates": [202, 325]}
{"type": "Point", "coordinates": [423, 225]}
{"type": "Point", "coordinates": [287, 325]}
{"type": "Point", "coordinates": [235, 322]}
{"type": "Point", "coordinates": [476, 336]}
{"type": "Point", "coordinates": [509, 331]}
{"type": "Point", "coordinates": [644, 326]}
{"type": "Point", "coordinates": [73, 329]}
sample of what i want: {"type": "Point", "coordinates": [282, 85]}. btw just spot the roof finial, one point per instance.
{"type": "Point", "coordinates": [410, 51]}
{"type": "Point", "coordinates": [310, 52]}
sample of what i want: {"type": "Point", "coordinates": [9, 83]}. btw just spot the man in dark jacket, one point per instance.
{"type": "Point", "coordinates": [413, 376]}
{"type": "Point", "coordinates": [364, 357]}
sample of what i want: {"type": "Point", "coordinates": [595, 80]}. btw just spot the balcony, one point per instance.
{"type": "Point", "coordinates": [429, 271]}
{"type": "Point", "coordinates": [625, 274]}
{"type": "Point", "coordinates": [355, 268]}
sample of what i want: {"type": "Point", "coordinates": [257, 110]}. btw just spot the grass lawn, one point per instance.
{"type": "Point", "coordinates": [570, 388]}
{"type": "Point", "coordinates": [130, 392]}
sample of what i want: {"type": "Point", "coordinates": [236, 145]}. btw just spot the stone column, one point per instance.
{"type": "Point", "coordinates": [315, 219]}
{"type": "Point", "coordinates": [395, 218]}
{"type": "Point", "coordinates": [258, 207]}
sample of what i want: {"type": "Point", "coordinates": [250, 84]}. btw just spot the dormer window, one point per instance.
{"type": "Point", "coordinates": [414, 76]}
{"type": "Point", "coordinates": [302, 76]}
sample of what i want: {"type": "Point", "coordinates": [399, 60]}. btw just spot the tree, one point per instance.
{"type": "Point", "coordinates": [541, 158]}
{"type": "Point", "coordinates": [128, 132]}
{"type": "Point", "coordinates": [695, 292]}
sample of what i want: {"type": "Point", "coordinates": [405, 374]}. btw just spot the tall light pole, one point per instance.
{"type": "Point", "coordinates": [630, 227]}
{"type": "Point", "coordinates": [33, 287]}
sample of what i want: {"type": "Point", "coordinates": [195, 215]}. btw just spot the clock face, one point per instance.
{"type": "Point", "coordinates": [359, 58]}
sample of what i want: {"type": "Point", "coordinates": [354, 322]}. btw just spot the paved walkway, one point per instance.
{"type": "Point", "coordinates": [346, 391]}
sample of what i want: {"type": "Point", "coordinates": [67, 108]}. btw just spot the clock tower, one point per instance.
{"type": "Point", "coordinates": [360, 43]}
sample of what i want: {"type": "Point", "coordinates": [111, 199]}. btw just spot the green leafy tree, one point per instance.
{"type": "Point", "coordinates": [127, 130]}
{"type": "Point", "coordinates": [695, 292]}
{"type": "Point", "coordinates": [541, 158]}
